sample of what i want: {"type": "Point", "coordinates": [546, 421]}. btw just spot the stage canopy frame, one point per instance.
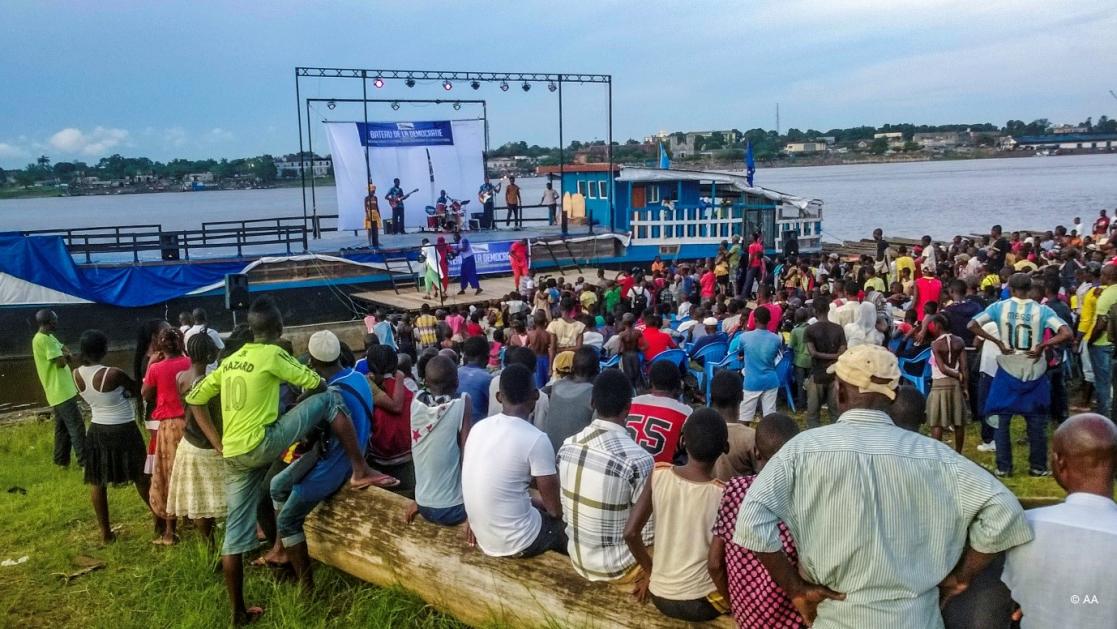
{"type": "Point", "coordinates": [554, 81]}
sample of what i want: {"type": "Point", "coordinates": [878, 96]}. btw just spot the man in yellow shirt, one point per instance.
{"type": "Point", "coordinates": [1100, 345]}
{"type": "Point", "coordinates": [53, 362]}
{"type": "Point", "coordinates": [904, 261]}
{"type": "Point", "coordinates": [255, 435]}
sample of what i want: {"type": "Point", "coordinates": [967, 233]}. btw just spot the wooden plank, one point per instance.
{"type": "Point", "coordinates": [411, 300]}
{"type": "Point", "coordinates": [361, 533]}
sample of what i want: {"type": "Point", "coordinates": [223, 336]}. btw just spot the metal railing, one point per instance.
{"type": "Point", "coordinates": [701, 224]}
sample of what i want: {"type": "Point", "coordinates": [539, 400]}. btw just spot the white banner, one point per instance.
{"type": "Point", "coordinates": [456, 167]}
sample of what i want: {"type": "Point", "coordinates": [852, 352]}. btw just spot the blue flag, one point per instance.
{"type": "Point", "coordinates": [664, 161]}
{"type": "Point", "coordinates": [750, 163]}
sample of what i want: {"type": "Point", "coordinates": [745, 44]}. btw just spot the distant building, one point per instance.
{"type": "Point", "coordinates": [1066, 128]}
{"type": "Point", "coordinates": [516, 164]}
{"type": "Point", "coordinates": [287, 167]}
{"type": "Point", "coordinates": [685, 144]}
{"type": "Point", "coordinates": [1069, 142]}
{"type": "Point", "coordinates": [895, 138]}
{"type": "Point", "coordinates": [803, 148]}
{"type": "Point", "coordinates": [939, 139]}
{"type": "Point", "coordinates": [659, 136]}
{"type": "Point", "coordinates": [206, 177]}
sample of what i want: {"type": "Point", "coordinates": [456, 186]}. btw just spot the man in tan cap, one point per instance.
{"type": "Point", "coordinates": [886, 520]}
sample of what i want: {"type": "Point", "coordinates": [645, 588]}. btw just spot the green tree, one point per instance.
{"type": "Point", "coordinates": [879, 146]}
{"type": "Point", "coordinates": [911, 146]}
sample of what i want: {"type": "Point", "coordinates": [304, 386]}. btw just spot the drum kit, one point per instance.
{"type": "Point", "coordinates": [446, 216]}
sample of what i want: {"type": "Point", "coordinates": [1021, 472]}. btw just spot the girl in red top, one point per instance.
{"type": "Point", "coordinates": [926, 289]}
{"type": "Point", "coordinates": [709, 284]}
{"type": "Point", "coordinates": [160, 387]}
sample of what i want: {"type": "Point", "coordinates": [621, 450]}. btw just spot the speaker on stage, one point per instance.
{"type": "Point", "coordinates": [236, 291]}
{"type": "Point", "coordinates": [168, 246]}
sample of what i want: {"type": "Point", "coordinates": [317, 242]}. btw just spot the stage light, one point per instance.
{"type": "Point", "coordinates": [331, 105]}
{"type": "Point", "coordinates": [526, 86]}
{"type": "Point", "coordinates": [395, 106]}
{"type": "Point", "coordinates": [446, 85]}
{"type": "Point", "coordinates": [475, 85]}
{"type": "Point", "coordinates": [504, 86]}
{"type": "Point", "coordinates": [378, 82]}
{"type": "Point", "coordinates": [551, 86]}
{"type": "Point", "coordinates": [457, 105]}
{"type": "Point", "coordinates": [409, 82]}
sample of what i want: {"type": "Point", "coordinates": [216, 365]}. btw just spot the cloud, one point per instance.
{"type": "Point", "coordinates": [217, 135]}
{"type": "Point", "coordinates": [11, 151]}
{"type": "Point", "coordinates": [99, 141]}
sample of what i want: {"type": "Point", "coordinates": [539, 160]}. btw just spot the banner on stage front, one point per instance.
{"type": "Point", "coordinates": [426, 156]}
{"type": "Point", "coordinates": [382, 134]}
{"type": "Point", "coordinates": [491, 257]}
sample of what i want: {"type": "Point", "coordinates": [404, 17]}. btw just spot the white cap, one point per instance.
{"type": "Point", "coordinates": [324, 346]}
{"type": "Point", "coordinates": [710, 321]}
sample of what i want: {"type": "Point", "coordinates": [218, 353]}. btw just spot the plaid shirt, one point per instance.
{"type": "Point", "coordinates": [602, 472]}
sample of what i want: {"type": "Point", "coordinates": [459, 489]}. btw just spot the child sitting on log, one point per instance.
{"type": "Point", "coordinates": [685, 501]}
{"type": "Point", "coordinates": [440, 421]}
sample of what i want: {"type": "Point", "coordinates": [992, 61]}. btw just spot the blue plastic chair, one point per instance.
{"type": "Point", "coordinates": [920, 364]}
{"type": "Point", "coordinates": [677, 322]}
{"type": "Point", "coordinates": [785, 369]}
{"type": "Point", "coordinates": [712, 353]}
{"type": "Point", "coordinates": [710, 368]}
{"type": "Point", "coordinates": [676, 357]}
{"type": "Point", "coordinates": [614, 361]}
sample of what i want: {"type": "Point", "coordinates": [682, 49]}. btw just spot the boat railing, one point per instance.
{"type": "Point", "coordinates": [136, 239]}
{"type": "Point", "coordinates": [678, 223]}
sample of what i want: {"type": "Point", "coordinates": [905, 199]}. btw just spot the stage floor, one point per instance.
{"type": "Point", "coordinates": [410, 300]}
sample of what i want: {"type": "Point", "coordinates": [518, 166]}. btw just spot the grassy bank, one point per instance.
{"type": "Point", "coordinates": [142, 585]}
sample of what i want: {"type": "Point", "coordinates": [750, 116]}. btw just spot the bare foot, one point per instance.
{"type": "Point", "coordinates": [163, 541]}
{"type": "Point", "coordinates": [410, 511]}
{"type": "Point", "coordinates": [250, 615]}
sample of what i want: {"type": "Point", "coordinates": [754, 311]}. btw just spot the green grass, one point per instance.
{"type": "Point", "coordinates": [144, 585]}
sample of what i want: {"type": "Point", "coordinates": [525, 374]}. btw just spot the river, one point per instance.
{"type": "Point", "coordinates": [909, 199]}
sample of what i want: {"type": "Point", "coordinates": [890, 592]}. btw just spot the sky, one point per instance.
{"type": "Point", "coordinates": [82, 80]}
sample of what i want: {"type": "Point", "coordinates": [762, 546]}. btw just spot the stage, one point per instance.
{"type": "Point", "coordinates": [410, 300]}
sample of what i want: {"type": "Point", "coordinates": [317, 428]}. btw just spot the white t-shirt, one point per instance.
{"type": "Point", "coordinates": [502, 455]}
{"type": "Point", "coordinates": [989, 352]}
{"type": "Point", "coordinates": [550, 197]}
{"type": "Point", "coordinates": [213, 334]}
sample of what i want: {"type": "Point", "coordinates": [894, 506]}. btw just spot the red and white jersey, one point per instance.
{"type": "Point", "coordinates": [655, 423]}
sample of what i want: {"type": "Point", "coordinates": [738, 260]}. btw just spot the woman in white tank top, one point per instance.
{"type": "Point", "coordinates": [115, 448]}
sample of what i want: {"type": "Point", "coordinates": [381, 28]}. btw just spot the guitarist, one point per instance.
{"type": "Point", "coordinates": [485, 195]}
{"type": "Point", "coordinates": [395, 199]}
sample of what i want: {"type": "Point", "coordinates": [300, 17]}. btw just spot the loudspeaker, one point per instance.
{"type": "Point", "coordinates": [168, 244]}
{"type": "Point", "coordinates": [236, 291]}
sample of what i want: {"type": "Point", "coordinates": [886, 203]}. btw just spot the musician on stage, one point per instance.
{"type": "Point", "coordinates": [373, 222]}
{"type": "Point", "coordinates": [395, 199]}
{"type": "Point", "coordinates": [512, 199]}
{"type": "Point", "coordinates": [485, 195]}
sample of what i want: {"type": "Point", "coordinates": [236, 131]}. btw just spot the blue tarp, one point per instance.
{"type": "Point", "coordinates": [43, 260]}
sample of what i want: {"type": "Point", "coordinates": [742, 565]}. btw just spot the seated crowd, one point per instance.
{"type": "Point", "coordinates": [633, 424]}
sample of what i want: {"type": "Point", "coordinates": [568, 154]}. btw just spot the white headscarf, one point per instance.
{"type": "Point", "coordinates": [863, 331]}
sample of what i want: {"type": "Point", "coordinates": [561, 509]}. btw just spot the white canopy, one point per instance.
{"type": "Point", "coordinates": [740, 182]}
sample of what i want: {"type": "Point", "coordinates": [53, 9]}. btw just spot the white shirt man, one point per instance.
{"type": "Point", "coordinates": [502, 455]}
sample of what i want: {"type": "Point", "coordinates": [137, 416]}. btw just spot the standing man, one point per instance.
{"type": "Point", "coordinates": [887, 571]}
{"type": "Point", "coordinates": [881, 243]}
{"type": "Point", "coordinates": [734, 256]}
{"type": "Point", "coordinates": [53, 362]}
{"type": "Point", "coordinates": [1099, 345]}
{"type": "Point", "coordinates": [395, 199]}
{"type": "Point", "coordinates": [1064, 577]}
{"type": "Point", "coordinates": [755, 270]}
{"type": "Point", "coordinates": [826, 341]}
{"type": "Point", "coordinates": [518, 256]}
{"type": "Point", "coordinates": [1101, 225]}
{"type": "Point", "coordinates": [1021, 323]}
{"type": "Point", "coordinates": [762, 351]}
{"type": "Point", "coordinates": [512, 200]}
{"type": "Point", "coordinates": [485, 195]}
{"type": "Point", "coordinates": [550, 199]}
{"type": "Point", "coordinates": [372, 217]}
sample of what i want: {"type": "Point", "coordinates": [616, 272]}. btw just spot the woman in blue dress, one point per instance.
{"type": "Point", "coordinates": [469, 268]}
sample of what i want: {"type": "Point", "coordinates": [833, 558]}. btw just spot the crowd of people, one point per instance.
{"type": "Point", "coordinates": [615, 421]}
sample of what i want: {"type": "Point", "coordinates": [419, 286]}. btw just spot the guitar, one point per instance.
{"type": "Point", "coordinates": [484, 197]}
{"type": "Point", "coordinates": [394, 201]}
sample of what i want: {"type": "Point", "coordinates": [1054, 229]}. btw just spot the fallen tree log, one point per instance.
{"type": "Point", "coordinates": [362, 533]}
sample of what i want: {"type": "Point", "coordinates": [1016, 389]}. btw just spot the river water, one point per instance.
{"type": "Point", "coordinates": [907, 199]}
